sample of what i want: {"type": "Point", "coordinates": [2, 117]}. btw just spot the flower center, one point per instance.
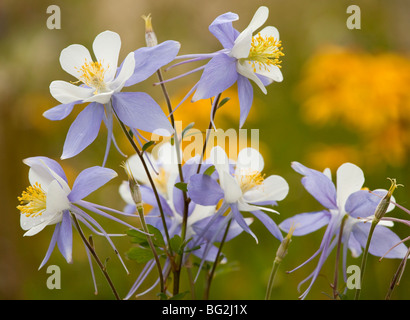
{"type": "Point", "coordinates": [32, 201]}
{"type": "Point", "coordinates": [92, 74]}
{"type": "Point", "coordinates": [265, 52]}
{"type": "Point", "coordinates": [250, 179]}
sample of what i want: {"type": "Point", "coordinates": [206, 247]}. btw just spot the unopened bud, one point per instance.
{"type": "Point", "coordinates": [150, 37]}
{"type": "Point", "coordinates": [283, 247]}
{"type": "Point", "coordinates": [135, 192]}
{"type": "Point", "coordinates": [134, 186]}
{"type": "Point", "coordinates": [383, 205]}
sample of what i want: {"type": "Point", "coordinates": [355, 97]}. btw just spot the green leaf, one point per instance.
{"type": "Point", "coordinates": [137, 237]}
{"type": "Point", "coordinates": [141, 238]}
{"type": "Point", "coordinates": [175, 243]}
{"type": "Point", "coordinates": [193, 249]}
{"type": "Point", "coordinates": [187, 128]}
{"type": "Point", "coordinates": [157, 238]}
{"type": "Point", "coordinates": [147, 145]}
{"type": "Point", "coordinates": [225, 100]}
{"type": "Point", "coordinates": [162, 296]}
{"type": "Point", "coordinates": [139, 254]}
{"type": "Point", "coordinates": [179, 296]}
{"type": "Point", "coordinates": [182, 186]}
{"type": "Point", "coordinates": [210, 170]}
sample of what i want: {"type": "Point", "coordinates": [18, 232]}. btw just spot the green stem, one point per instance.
{"type": "Point", "coordinates": [364, 258]}
{"type": "Point", "coordinates": [212, 272]}
{"type": "Point", "coordinates": [339, 243]}
{"type": "Point", "coordinates": [151, 244]}
{"type": "Point", "coordinates": [140, 155]}
{"type": "Point", "coordinates": [274, 270]}
{"type": "Point", "coordinates": [396, 277]}
{"type": "Point", "coordinates": [178, 264]}
{"type": "Point", "coordinates": [95, 256]}
{"type": "Point", "coordinates": [208, 132]}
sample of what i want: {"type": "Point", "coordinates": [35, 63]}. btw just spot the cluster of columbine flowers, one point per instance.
{"type": "Point", "coordinates": [197, 205]}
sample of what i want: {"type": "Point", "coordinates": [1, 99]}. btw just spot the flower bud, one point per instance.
{"type": "Point", "coordinates": [150, 37]}
{"type": "Point", "coordinates": [283, 247]}
{"type": "Point", "coordinates": [134, 187]}
{"type": "Point", "coordinates": [381, 208]}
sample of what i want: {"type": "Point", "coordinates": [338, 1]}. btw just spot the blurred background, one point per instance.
{"type": "Point", "coordinates": [345, 97]}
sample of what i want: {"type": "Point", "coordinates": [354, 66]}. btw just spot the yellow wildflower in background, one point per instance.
{"type": "Point", "coordinates": [367, 93]}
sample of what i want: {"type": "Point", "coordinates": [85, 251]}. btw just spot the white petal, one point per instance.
{"type": "Point", "coordinates": [230, 187]}
{"type": "Point", "coordinates": [33, 229]}
{"type": "Point", "coordinates": [65, 92]}
{"type": "Point", "coordinates": [271, 72]}
{"type": "Point", "coordinates": [38, 223]}
{"type": "Point", "coordinates": [125, 193]}
{"type": "Point", "coordinates": [350, 178]}
{"type": "Point", "coordinates": [200, 212]}
{"type": "Point", "coordinates": [245, 69]}
{"type": "Point", "coordinates": [270, 32]}
{"type": "Point", "coordinates": [73, 57]}
{"type": "Point", "coordinates": [242, 45]}
{"type": "Point", "coordinates": [39, 174]}
{"type": "Point", "coordinates": [220, 160]}
{"type": "Point", "coordinates": [43, 175]}
{"type": "Point", "coordinates": [137, 169]}
{"type": "Point", "coordinates": [106, 48]}
{"type": "Point", "coordinates": [126, 72]}
{"type": "Point", "coordinates": [259, 18]}
{"type": "Point", "coordinates": [57, 200]}
{"type": "Point", "coordinates": [243, 206]}
{"type": "Point", "coordinates": [249, 160]}
{"type": "Point", "coordinates": [103, 97]}
{"type": "Point", "coordinates": [274, 188]}
{"type": "Point", "coordinates": [328, 173]}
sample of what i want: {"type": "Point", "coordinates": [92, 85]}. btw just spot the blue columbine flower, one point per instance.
{"type": "Point", "coordinates": [241, 186]}
{"type": "Point", "coordinates": [205, 225]}
{"type": "Point", "coordinates": [245, 56]}
{"type": "Point", "coordinates": [50, 201]}
{"type": "Point", "coordinates": [102, 82]}
{"type": "Point", "coordinates": [347, 200]}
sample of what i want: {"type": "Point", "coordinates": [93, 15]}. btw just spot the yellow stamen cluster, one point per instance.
{"type": "Point", "coordinates": [250, 180]}
{"type": "Point", "coordinates": [32, 201]}
{"type": "Point", "coordinates": [265, 52]}
{"type": "Point", "coordinates": [92, 74]}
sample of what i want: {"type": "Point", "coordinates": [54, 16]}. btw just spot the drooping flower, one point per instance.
{"type": "Point", "coordinates": [241, 186]}
{"type": "Point", "coordinates": [245, 56]}
{"type": "Point", "coordinates": [347, 200]}
{"type": "Point", "coordinates": [50, 201]}
{"type": "Point", "coordinates": [102, 81]}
